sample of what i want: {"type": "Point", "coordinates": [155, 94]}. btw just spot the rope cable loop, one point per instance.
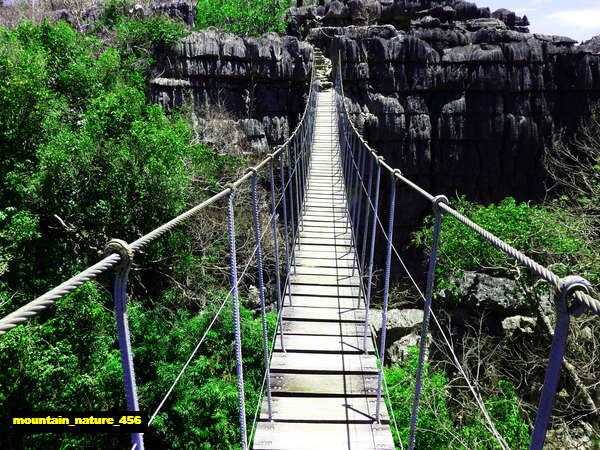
{"type": "Point", "coordinates": [379, 159]}
{"type": "Point", "coordinates": [436, 203]}
{"type": "Point", "coordinates": [123, 249]}
{"type": "Point", "coordinates": [569, 285]}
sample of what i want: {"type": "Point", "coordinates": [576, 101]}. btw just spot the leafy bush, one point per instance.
{"type": "Point", "coordinates": [203, 408]}
{"type": "Point", "coordinates": [505, 415]}
{"type": "Point", "coordinates": [435, 428]}
{"type": "Point", "coordinates": [539, 232]}
{"type": "Point", "coordinates": [245, 17]}
{"type": "Point", "coordinates": [433, 422]}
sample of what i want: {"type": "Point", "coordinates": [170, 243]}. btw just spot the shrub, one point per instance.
{"type": "Point", "coordinates": [83, 158]}
{"type": "Point", "coordinates": [434, 422]}
{"type": "Point", "coordinates": [435, 428]}
{"type": "Point", "coordinates": [542, 233]}
{"type": "Point", "coordinates": [245, 17]}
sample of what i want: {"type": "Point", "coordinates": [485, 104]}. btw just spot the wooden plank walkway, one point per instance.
{"type": "Point", "coordinates": [324, 387]}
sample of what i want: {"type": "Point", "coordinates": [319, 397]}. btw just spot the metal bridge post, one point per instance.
{"type": "Point", "coordinates": [292, 219]}
{"type": "Point", "coordinates": [276, 248]}
{"type": "Point", "coordinates": [120, 299]}
{"type": "Point", "coordinates": [386, 291]}
{"type": "Point", "coordinates": [559, 341]}
{"type": "Point", "coordinates": [367, 214]}
{"type": "Point", "coordinates": [285, 225]}
{"type": "Point", "coordinates": [372, 252]}
{"type": "Point", "coordinates": [350, 186]}
{"type": "Point", "coordinates": [297, 192]}
{"type": "Point", "coordinates": [236, 318]}
{"type": "Point", "coordinates": [426, 313]}
{"type": "Point", "coordinates": [356, 219]}
{"type": "Point", "coordinates": [261, 291]}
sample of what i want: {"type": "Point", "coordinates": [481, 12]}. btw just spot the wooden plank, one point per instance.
{"type": "Point", "coordinates": [323, 409]}
{"type": "Point", "coordinates": [325, 291]}
{"type": "Point", "coordinates": [325, 328]}
{"type": "Point", "coordinates": [326, 314]}
{"type": "Point", "coordinates": [325, 280]}
{"type": "Point", "coordinates": [330, 271]}
{"type": "Point", "coordinates": [336, 249]}
{"type": "Point", "coordinates": [323, 344]}
{"type": "Point", "coordinates": [330, 436]}
{"type": "Point", "coordinates": [320, 231]}
{"type": "Point", "coordinates": [336, 256]}
{"type": "Point", "coordinates": [316, 385]}
{"type": "Point", "coordinates": [321, 362]}
{"type": "Point", "coordinates": [321, 262]}
{"type": "Point", "coordinates": [326, 302]}
{"type": "Point", "coordinates": [324, 241]}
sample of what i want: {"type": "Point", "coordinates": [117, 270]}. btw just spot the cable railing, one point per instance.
{"type": "Point", "coordinates": [293, 153]}
{"type": "Point", "coordinates": [359, 163]}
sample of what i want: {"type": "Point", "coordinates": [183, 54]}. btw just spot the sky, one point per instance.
{"type": "Point", "coordinates": [577, 19]}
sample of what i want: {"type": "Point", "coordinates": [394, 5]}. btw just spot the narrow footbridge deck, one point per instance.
{"type": "Point", "coordinates": [324, 386]}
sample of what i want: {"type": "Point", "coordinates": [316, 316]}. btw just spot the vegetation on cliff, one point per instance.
{"type": "Point", "coordinates": [243, 17]}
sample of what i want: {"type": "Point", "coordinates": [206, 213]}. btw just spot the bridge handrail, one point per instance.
{"type": "Point", "coordinates": [45, 300]}
{"type": "Point", "coordinates": [542, 271]}
{"type": "Point", "coordinates": [564, 287]}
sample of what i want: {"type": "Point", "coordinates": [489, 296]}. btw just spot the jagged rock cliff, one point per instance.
{"type": "Point", "coordinates": [264, 79]}
{"type": "Point", "coordinates": [461, 99]}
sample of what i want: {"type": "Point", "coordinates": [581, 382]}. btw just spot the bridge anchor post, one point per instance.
{"type": "Point", "coordinates": [120, 299]}
{"type": "Point", "coordinates": [557, 351]}
{"type": "Point", "coordinates": [426, 313]}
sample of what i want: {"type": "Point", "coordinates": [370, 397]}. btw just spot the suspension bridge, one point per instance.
{"type": "Point", "coordinates": [324, 385]}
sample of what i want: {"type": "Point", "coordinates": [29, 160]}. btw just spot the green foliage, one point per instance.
{"type": "Point", "coordinates": [69, 363]}
{"type": "Point", "coordinates": [203, 408]}
{"type": "Point", "coordinates": [435, 429]}
{"type": "Point", "coordinates": [434, 421]}
{"type": "Point", "coordinates": [83, 158]}
{"type": "Point", "coordinates": [537, 231]}
{"type": "Point", "coordinates": [244, 17]}
{"type": "Point", "coordinates": [504, 412]}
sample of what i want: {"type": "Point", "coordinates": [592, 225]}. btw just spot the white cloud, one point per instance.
{"type": "Point", "coordinates": [521, 11]}
{"type": "Point", "coordinates": [588, 19]}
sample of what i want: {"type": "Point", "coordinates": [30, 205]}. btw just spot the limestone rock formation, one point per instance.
{"type": "Point", "coordinates": [460, 98]}
{"type": "Point", "coordinates": [263, 79]}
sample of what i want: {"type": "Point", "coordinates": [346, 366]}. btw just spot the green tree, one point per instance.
{"type": "Point", "coordinates": [253, 17]}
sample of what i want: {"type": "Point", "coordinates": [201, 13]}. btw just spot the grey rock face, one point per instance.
{"type": "Point", "coordinates": [398, 351]}
{"type": "Point", "coordinates": [469, 107]}
{"type": "Point", "coordinates": [263, 79]}
{"type": "Point", "coordinates": [400, 322]}
{"type": "Point", "coordinates": [497, 295]}
{"type": "Point", "coordinates": [518, 324]}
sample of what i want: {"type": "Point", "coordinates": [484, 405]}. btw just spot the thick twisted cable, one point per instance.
{"type": "Point", "coordinates": [545, 273]}
{"type": "Point", "coordinates": [34, 307]}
